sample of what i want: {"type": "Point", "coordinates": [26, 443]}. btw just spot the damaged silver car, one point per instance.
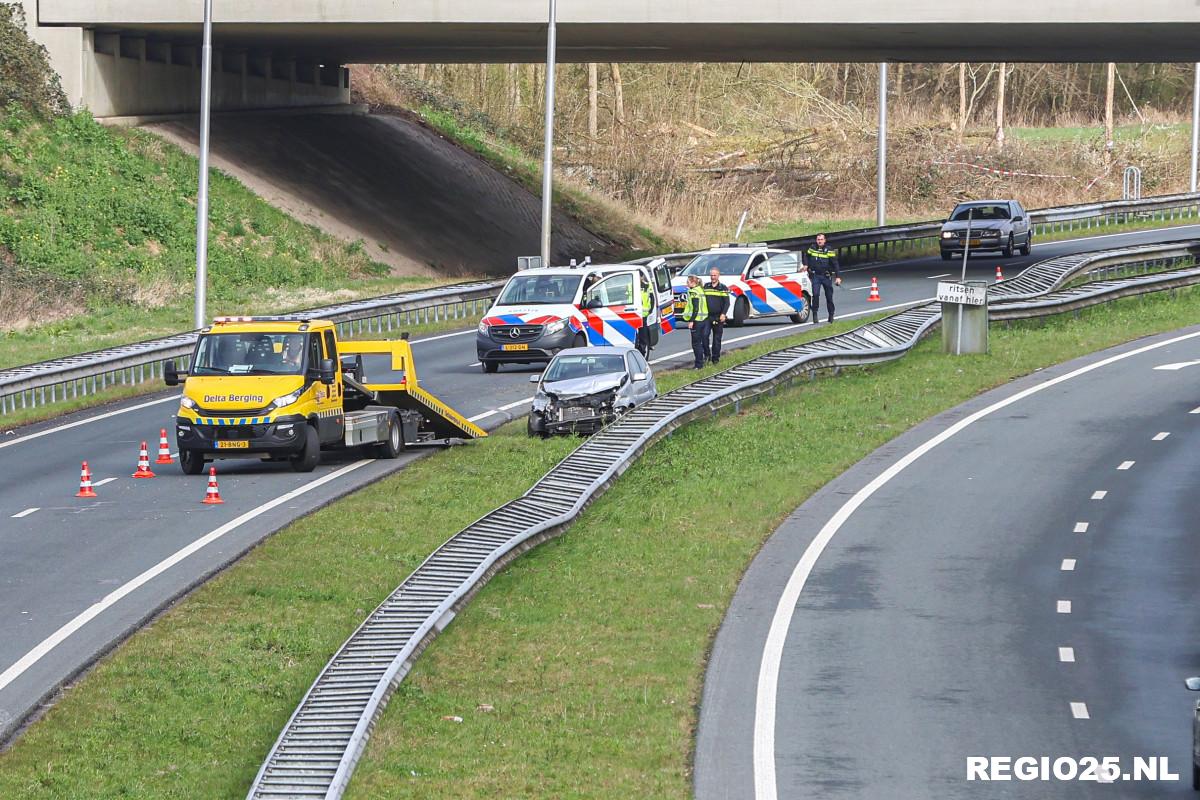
{"type": "Point", "coordinates": [585, 388]}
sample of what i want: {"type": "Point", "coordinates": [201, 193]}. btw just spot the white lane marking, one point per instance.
{"type": "Point", "coordinates": [1195, 410]}
{"type": "Point", "coordinates": [1066, 655]}
{"type": "Point", "coordinates": [1099, 494]}
{"type": "Point", "coordinates": [1178, 365]}
{"type": "Point", "coordinates": [476, 364]}
{"type": "Point", "coordinates": [97, 418]}
{"type": "Point", "coordinates": [857, 288]}
{"type": "Point", "coordinates": [1068, 565]}
{"type": "Point", "coordinates": [768, 331]}
{"type": "Point", "coordinates": [25, 513]}
{"type": "Point", "coordinates": [1063, 607]}
{"type": "Point", "coordinates": [87, 615]}
{"type": "Point", "coordinates": [101, 483]}
{"type": "Point", "coordinates": [1158, 437]}
{"type": "Point", "coordinates": [1126, 464]}
{"type": "Point", "coordinates": [1081, 527]}
{"type": "Point", "coordinates": [1079, 711]}
{"type": "Point", "coordinates": [944, 275]}
{"type": "Point", "coordinates": [485, 414]}
{"type": "Point", "coordinates": [443, 336]}
{"type": "Point", "coordinates": [768, 673]}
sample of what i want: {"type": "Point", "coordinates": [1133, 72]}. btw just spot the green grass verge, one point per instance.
{"type": "Point", "coordinates": [591, 649]}
{"type": "Point", "coordinates": [1150, 134]}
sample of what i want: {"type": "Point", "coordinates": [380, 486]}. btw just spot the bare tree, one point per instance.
{"type": "Point", "coordinates": [593, 101]}
{"type": "Point", "coordinates": [1110, 86]}
{"type": "Point", "coordinates": [1000, 105]}
{"type": "Point", "coordinates": [618, 98]}
{"type": "Point", "coordinates": [962, 100]}
{"type": "Point", "coordinates": [514, 90]}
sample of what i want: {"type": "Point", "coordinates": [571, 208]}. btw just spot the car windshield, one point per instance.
{"type": "Point", "coordinates": [727, 263]}
{"type": "Point", "coordinates": [979, 212]}
{"type": "Point", "coordinates": [569, 367]}
{"type": "Point", "coordinates": [249, 354]}
{"type": "Point", "coordinates": [523, 290]}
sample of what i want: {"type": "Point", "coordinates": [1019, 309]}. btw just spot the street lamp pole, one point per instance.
{"type": "Point", "coordinates": [202, 195]}
{"type": "Point", "coordinates": [881, 154]}
{"type": "Point", "coordinates": [548, 144]}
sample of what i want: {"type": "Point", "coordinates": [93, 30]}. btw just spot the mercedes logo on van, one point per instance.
{"type": "Point", "coordinates": [515, 333]}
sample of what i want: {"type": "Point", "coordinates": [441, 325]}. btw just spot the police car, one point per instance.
{"type": "Point", "coordinates": [542, 311]}
{"type": "Point", "coordinates": [763, 281]}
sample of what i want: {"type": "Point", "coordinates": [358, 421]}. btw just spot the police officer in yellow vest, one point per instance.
{"type": "Point", "coordinates": [822, 263]}
{"type": "Point", "coordinates": [695, 314]}
{"type": "Point", "coordinates": [643, 334]}
{"type": "Point", "coordinates": [716, 298]}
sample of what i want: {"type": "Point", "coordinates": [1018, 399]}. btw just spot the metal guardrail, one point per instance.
{"type": "Point", "coordinates": [320, 745]}
{"type": "Point", "coordinates": [81, 375]}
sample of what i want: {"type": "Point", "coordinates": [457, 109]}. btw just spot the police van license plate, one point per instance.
{"type": "Point", "coordinates": [233, 445]}
{"type": "Point", "coordinates": [515, 347]}
{"type": "Point", "coordinates": [679, 306]}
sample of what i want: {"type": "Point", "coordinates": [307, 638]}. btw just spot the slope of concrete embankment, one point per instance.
{"type": "Point", "coordinates": [420, 204]}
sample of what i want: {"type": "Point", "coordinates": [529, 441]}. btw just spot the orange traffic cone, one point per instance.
{"type": "Point", "coordinates": [85, 482]}
{"type": "Point", "coordinates": [999, 274]}
{"type": "Point", "coordinates": [874, 297]}
{"type": "Point", "coordinates": [212, 496]}
{"type": "Point", "coordinates": [143, 468]}
{"type": "Point", "coordinates": [164, 449]}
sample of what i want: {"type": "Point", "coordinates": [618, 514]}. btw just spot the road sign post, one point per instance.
{"type": "Point", "coordinates": [964, 316]}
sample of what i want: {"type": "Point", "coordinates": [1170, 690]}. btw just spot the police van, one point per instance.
{"type": "Point", "coordinates": [763, 281]}
{"type": "Point", "coordinates": [544, 310]}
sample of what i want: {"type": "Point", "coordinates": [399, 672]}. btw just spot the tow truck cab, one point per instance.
{"type": "Point", "coordinates": [285, 388]}
{"type": "Point", "coordinates": [540, 312]}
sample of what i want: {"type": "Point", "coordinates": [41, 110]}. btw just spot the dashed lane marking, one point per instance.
{"type": "Point", "coordinates": [946, 275]}
{"type": "Point", "coordinates": [1081, 527]}
{"type": "Point", "coordinates": [1066, 655]}
{"type": "Point", "coordinates": [1126, 464]}
{"type": "Point", "coordinates": [25, 513]}
{"type": "Point", "coordinates": [1068, 565]}
{"type": "Point", "coordinates": [101, 483]}
{"type": "Point", "coordinates": [97, 418]}
{"type": "Point", "coordinates": [1195, 410]}
{"type": "Point", "coordinates": [1079, 711]}
{"type": "Point", "coordinates": [1063, 606]}
{"type": "Point", "coordinates": [485, 414]}
{"type": "Point", "coordinates": [1099, 494]}
{"type": "Point", "coordinates": [1158, 437]}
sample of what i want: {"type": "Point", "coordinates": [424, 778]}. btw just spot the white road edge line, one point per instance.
{"type": "Point", "coordinates": [1158, 437]}
{"type": "Point", "coordinates": [1068, 565]}
{"type": "Point", "coordinates": [62, 634]}
{"type": "Point", "coordinates": [1063, 606]}
{"type": "Point", "coordinates": [26, 512]}
{"type": "Point", "coordinates": [1126, 464]}
{"type": "Point", "coordinates": [485, 414]}
{"type": "Point", "coordinates": [945, 275]}
{"type": "Point", "coordinates": [1081, 527]}
{"type": "Point", "coordinates": [1099, 494]}
{"type": "Point", "coordinates": [97, 418]}
{"type": "Point", "coordinates": [1195, 410]}
{"type": "Point", "coordinates": [1066, 655]}
{"type": "Point", "coordinates": [101, 483]}
{"type": "Point", "coordinates": [768, 676]}
{"type": "Point", "coordinates": [443, 336]}
{"type": "Point", "coordinates": [1079, 711]}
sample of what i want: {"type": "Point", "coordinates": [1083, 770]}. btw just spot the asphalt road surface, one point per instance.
{"type": "Point", "coordinates": [1016, 577]}
{"type": "Point", "coordinates": [77, 576]}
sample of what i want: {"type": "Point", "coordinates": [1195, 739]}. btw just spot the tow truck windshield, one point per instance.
{"type": "Point", "coordinates": [727, 263]}
{"type": "Point", "coordinates": [250, 354]}
{"type": "Point", "coordinates": [525, 290]}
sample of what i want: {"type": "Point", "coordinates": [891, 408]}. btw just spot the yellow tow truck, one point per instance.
{"type": "Point", "coordinates": [285, 388]}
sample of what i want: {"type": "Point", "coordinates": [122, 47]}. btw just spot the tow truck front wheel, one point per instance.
{"type": "Point", "coordinates": [191, 461]}
{"type": "Point", "coordinates": [306, 460]}
{"type": "Point", "coordinates": [393, 445]}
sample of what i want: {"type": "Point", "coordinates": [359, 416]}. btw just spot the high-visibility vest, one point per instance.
{"type": "Point", "coordinates": [695, 306]}
{"type": "Point", "coordinates": [647, 302]}
{"type": "Point", "coordinates": [820, 258]}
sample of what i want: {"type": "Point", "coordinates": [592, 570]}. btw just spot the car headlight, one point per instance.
{"type": "Point", "coordinates": [287, 399]}
{"type": "Point", "coordinates": [483, 328]}
{"type": "Point", "coordinates": [187, 403]}
{"type": "Point", "coordinates": [556, 326]}
{"type": "Point", "coordinates": [947, 234]}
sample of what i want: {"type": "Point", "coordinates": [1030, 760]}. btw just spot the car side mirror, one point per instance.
{"type": "Point", "coordinates": [535, 378]}
{"type": "Point", "coordinates": [639, 376]}
{"type": "Point", "coordinates": [171, 374]}
{"type": "Point", "coordinates": [594, 303]}
{"type": "Point", "coordinates": [758, 272]}
{"type": "Point", "coordinates": [1018, 219]}
{"type": "Point", "coordinates": [327, 371]}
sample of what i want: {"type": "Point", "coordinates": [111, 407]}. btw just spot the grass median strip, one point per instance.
{"type": "Point", "coordinates": [577, 670]}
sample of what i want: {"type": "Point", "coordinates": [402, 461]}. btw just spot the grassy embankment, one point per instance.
{"type": "Point", "coordinates": [590, 649]}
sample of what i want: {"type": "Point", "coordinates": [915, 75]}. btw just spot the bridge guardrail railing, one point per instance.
{"type": "Point", "coordinates": [319, 747]}
{"type": "Point", "coordinates": [67, 378]}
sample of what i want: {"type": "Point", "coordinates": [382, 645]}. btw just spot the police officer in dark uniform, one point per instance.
{"type": "Point", "coordinates": [822, 264]}
{"type": "Point", "coordinates": [716, 296]}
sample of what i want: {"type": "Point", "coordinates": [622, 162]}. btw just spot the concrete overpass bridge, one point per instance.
{"type": "Point", "coordinates": [140, 56]}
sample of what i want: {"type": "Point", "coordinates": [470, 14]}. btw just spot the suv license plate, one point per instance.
{"type": "Point", "coordinates": [233, 445]}
{"type": "Point", "coordinates": [515, 347]}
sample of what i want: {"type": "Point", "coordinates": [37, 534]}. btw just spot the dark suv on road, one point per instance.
{"type": "Point", "coordinates": [995, 225]}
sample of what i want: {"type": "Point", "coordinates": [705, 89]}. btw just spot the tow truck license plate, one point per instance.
{"type": "Point", "coordinates": [516, 347]}
{"type": "Point", "coordinates": [233, 445]}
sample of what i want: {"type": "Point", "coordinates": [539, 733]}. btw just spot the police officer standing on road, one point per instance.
{"type": "Point", "coordinates": [716, 297]}
{"type": "Point", "coordinates": [643, 334]}
{"type": "Point", "coordinates": [822, 263]}
{"type": "Point", "coordinates": [695, 314]}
